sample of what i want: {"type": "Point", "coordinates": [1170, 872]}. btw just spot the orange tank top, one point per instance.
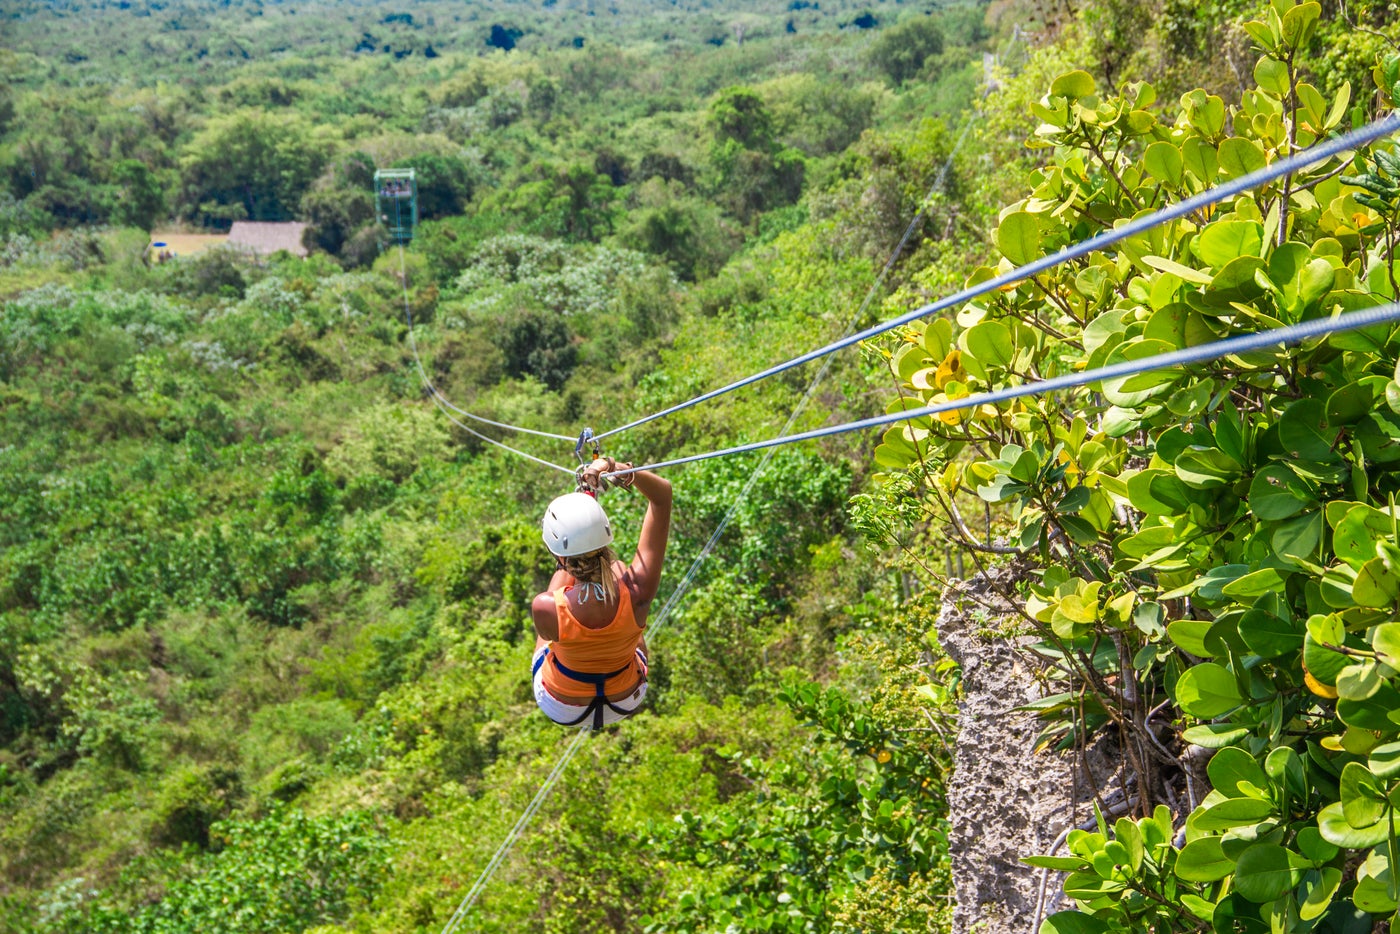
{"type": "Point", "coordinates": [596, 651]}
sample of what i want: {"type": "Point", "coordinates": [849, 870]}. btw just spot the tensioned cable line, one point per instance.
{"type": "Point", "coordinates": [1348, 141]}
{"type": "Point", "coordinates": [1201, 353]}
{"type": "Point", "coordinates": [444, 401]}
{"type": "Point", "coordinates": [655, 625]}
{"type": "Point", "coordinates": [446, 407]}
{"type": "Point", "coordinates": [504, 849]}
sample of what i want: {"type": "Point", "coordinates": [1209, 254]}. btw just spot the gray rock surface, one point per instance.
{"type": "Point", "coordinates": [1005, 800]}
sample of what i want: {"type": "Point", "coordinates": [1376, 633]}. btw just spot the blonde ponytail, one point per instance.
{"type": "Point", "coordinates": [596, 567]}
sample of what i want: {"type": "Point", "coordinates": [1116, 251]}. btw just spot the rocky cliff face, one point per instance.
{"type": "Point", "coordinates": [1006, 800]}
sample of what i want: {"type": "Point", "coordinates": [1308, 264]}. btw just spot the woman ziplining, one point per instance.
{"type": "Point", "coordinates": [590, 656]}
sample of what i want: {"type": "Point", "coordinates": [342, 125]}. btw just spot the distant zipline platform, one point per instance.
{"type": "Point", "coordinates": [396, 202]}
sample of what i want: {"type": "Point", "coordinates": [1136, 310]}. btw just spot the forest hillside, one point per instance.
{"type": "Point", "coordinates": [269, 521]}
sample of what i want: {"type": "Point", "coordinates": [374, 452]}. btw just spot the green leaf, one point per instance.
{"type": "Point", "coordinates": [1066, 863]}
{"type": "Point", "coordinates": [1230, 768]}
{"type": "Point", "coordinates": [1298, 538]}
{"type": "Point", "coordinates": [1277, 493]}
{"type": "Point", "coordinates": [938, 338]}
{"type": "Point", "coordinates": [1272, 75]}
{"type": "Point", "coordinates": [1087, 885]}
{"type": "Point", "coordinates": [1350, 403]}
{"type": "Point", "coordinates": [1323, 663]}
{"type": "Point", "coordinates": [1080, 531]}
{"type": "Point", "coordinates": [1127, 834]}
{"type": "Point", "coordinates": [1240, 156]}
{"type": "Point", "coordinates": [1163, 264]}
{"type": "Point", "coordinates": [1355, 535]}
{"type": "Point", "coordinates": [991, 343]}
{"type": "Point", "coordinates": [1223, 241]}
{"type": "Point", "coordinates": [1266, 871]}
{"type": "Point", "coordinates": [1259, 33]}
{"type": "Point", "coordinates": [1230, 434]}
{"type": "Point", "coordinates": [1311, 845]}
{"type": "Point", "coordinates": [1373, 713]}
{"type": "Point", "coordinates": [1200, 907]}
{"type": "Point", "coordinates": [1339, 832]}
{"type": "Point", "coordinates": [1236, 283]}
{"type": "Point", "coordinates": [1190, 635]}
{"type": "Point", "coordinates": [1254, 584]}
{"type": "Point", "coordinates": [1018, 237]}
{"type": "Point", "coordinates": [1233, 812]}
{"type": "Point", "coordinates": [1359, 682]}
{"type": "Point", "coordinates": [1317, 891]}
{"type": "Point", "coordinates": [1375, 586]}
{"type": "Point", "coordinates": [1158, 492]}
{"type": "Point", "coordinates": [1373, 895]}
{"type": "Point", "coordinates": [1163, 162]}
{"type": "Point", "coordinates": [1363, 798]}
{"type": "Point", "coordinates": [1304, 433]}
{"type": "Point", "coordinates": [1205, 468]}
{"type": "Point", "coordinates": [1211, 585]}
{"type": "Point", "coordinates": [1203, 860]}
{"type": "Point", "coordinates": [1192, 399]}
{"type": "Point", "coordinates": [1385, 760]}
{"type": "Point", "coordinates": [1073, 922]}
{"type": "Point", "coordinates": [1206, 113]}
{"type": "Point", "coordinates": [1268, 636]}
{"type": "Point", "coordinates": [1299, 22]}
{"type": "Point", "coordinates": [1285, 767]}
{"type": "Point", "coordinates": [1073, 85]}
{"type": "Point", "coordinates": [1200, 159]}
{"type": "Point", "coordinates": [1214, 735]}
{"type": "Point", "coordinates": [907, 361]}
{"type": "Point", "coordinates": [1207, 691]}
{"type": "Point", "coordinates": [1316, 281]}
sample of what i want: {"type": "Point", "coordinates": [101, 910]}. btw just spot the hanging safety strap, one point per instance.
{"type": "Point", "coordinates": [600, 699]}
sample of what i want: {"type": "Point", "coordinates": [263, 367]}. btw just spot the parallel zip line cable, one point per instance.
{"type": "Point", "coordinates": [447, 407]}
{"type": "Point", "coordinates": [1335, 146]}
{"type": "Point", "coordinates": [656, 625]}
{"type": "Point", "coordinates": [1201, 353]}
{"type": "Point", "coordinates": [464, 908]}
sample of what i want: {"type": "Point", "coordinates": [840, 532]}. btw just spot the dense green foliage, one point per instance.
{"type": "Point", "coordinates": [263, 629]}
{"type": "Point", "coordinates": [1214, 545]}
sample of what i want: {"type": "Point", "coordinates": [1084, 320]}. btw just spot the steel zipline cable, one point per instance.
{"type": "Point", "coordinates": [1335, 146]}
{"type": "Point", "coordinates": [447, 407]}
{"type": "Point", "coordinates": [408, 313]}
{"type": "Point", "coordinates": [1201, 353]}
{"type": "Point", "coordinates": [464, 908]}
{"type": "Point", "coordinates": [684, 586]}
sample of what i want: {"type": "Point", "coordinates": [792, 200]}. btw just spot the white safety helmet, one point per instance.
{"type": "Point", "coordinates": [574, 524]}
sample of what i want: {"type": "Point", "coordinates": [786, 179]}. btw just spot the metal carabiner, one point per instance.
{"type": "Point", "coordinates": [585, 437]}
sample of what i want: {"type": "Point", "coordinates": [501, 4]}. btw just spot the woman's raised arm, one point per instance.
{"type": "Point", "coordinates": [656, 529]}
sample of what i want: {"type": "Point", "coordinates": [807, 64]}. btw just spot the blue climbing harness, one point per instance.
{"type": "Point", "coordinates": [600, 700]}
